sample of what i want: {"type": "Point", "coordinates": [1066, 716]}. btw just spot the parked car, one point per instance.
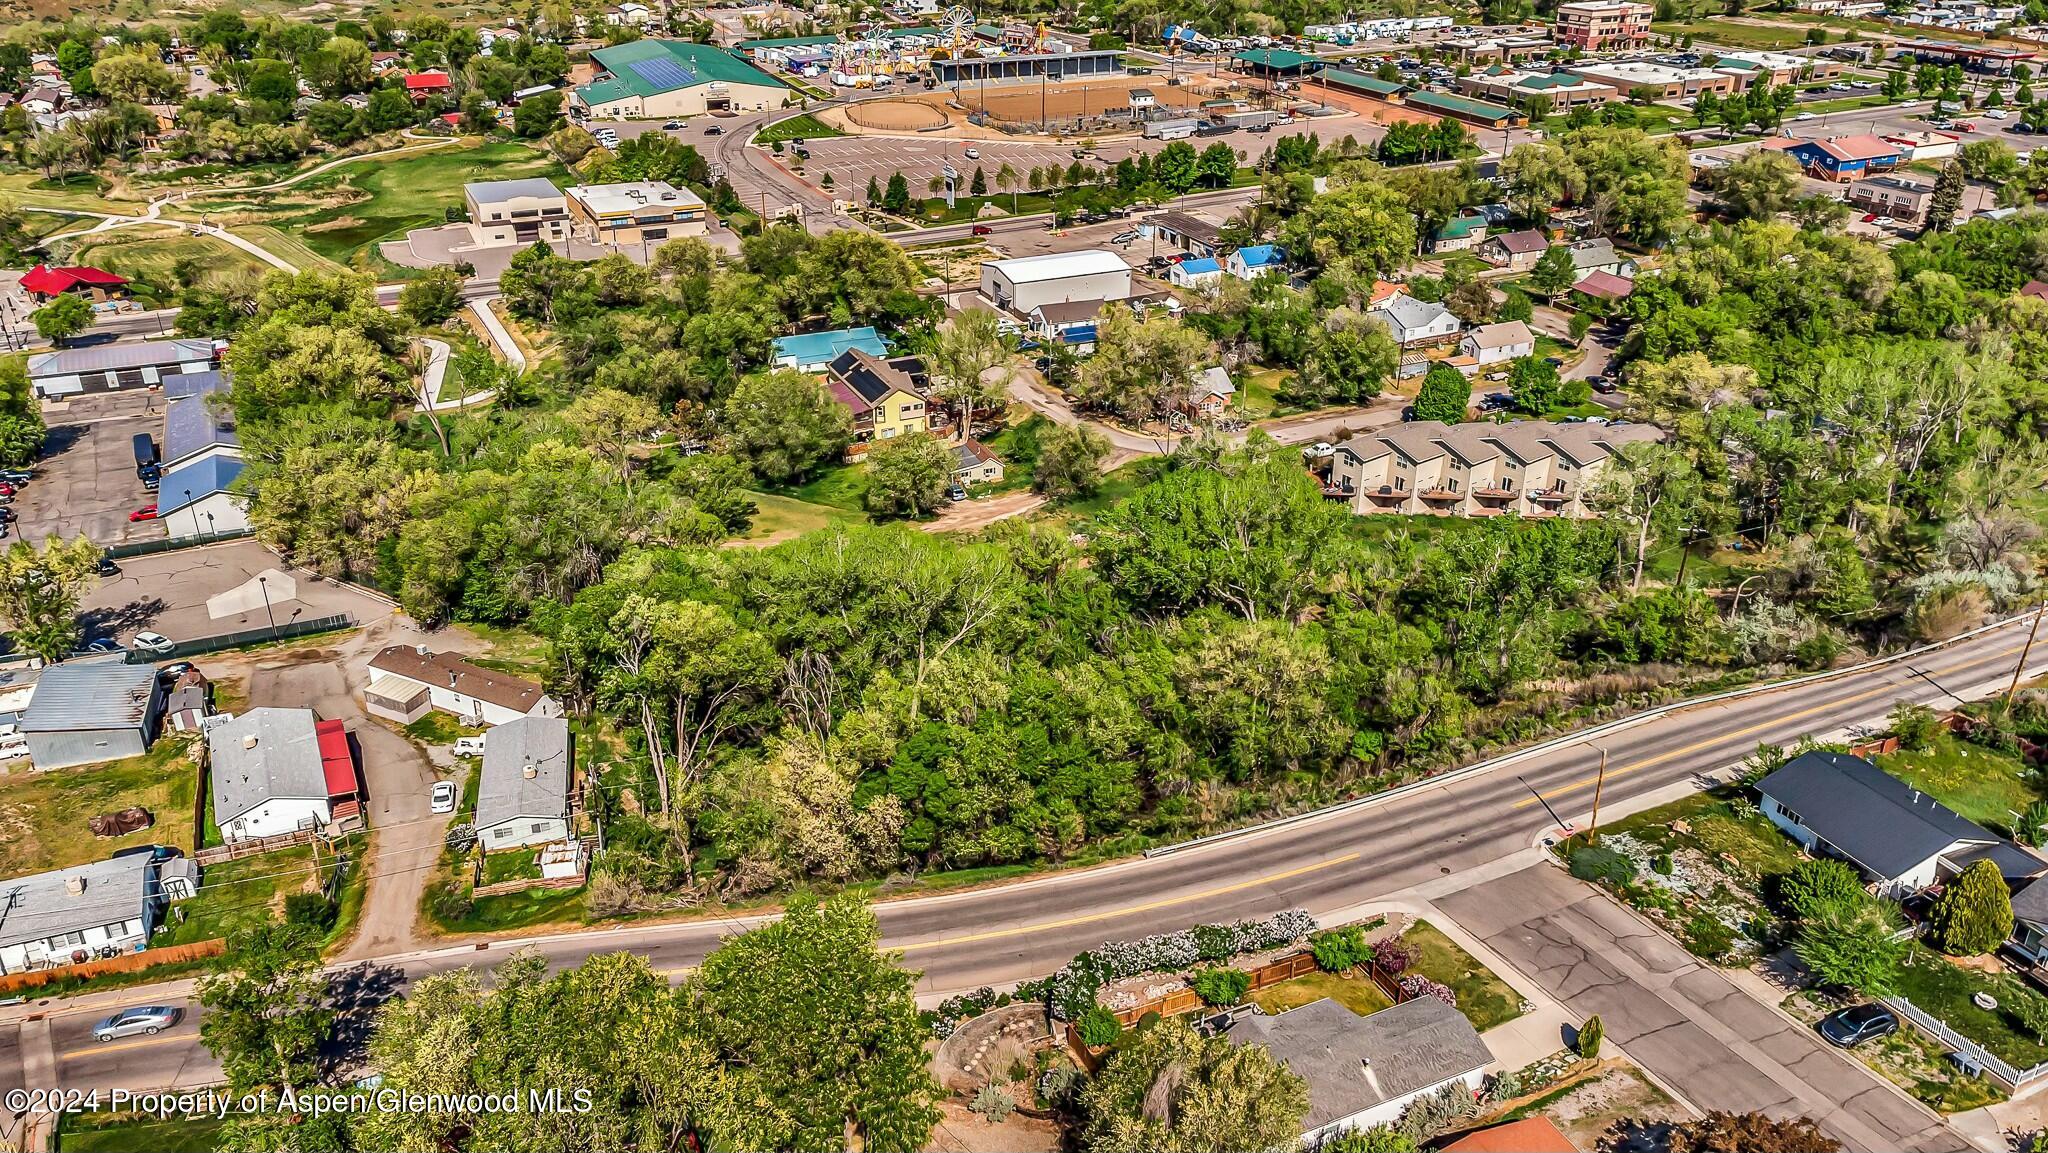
{"type": "Point", "coordinates": [146, 512]}
{"type": "Point", "coordinates": [1804, 116]}
{"type": "Point", "coordinates": [174, 670]}
{"type": "Point", "coordinates": [671, 125]}
{"type": "Point", "coordinates": [1856, 1024]}
{"type": "Point", "coordinates": [714, 130]}
{"type": "Point", "coordinates": [107, 567]}
{"type": "Point", "coordinates": [1123, 237]}
{"type": "Point", "coordinates": [147, 1019]}
{"type": "Point", "coordinates": [152, 642]}
{"type": "Point", "coordinates": [1320, 449]}
{"type": "Point", "coordinates": [983, 230]}
{"type": "Point", "coordinates": [16, 476]}
{"type": "Point", "coordinates": [956, 494]}
{"type": "Point", "coordinates": [972, 154]}
{"type": "Point", "coordinates": [469, 746]}
{"type": "Point", "coordinates": [1602, 384]}
{"type": "Point", "coordinates": [104, 645]}
{"type": "Point", "coordinates": [1994, 114]}
{"type": "Point", "coordinates": [1870, 218]}
{"type": "Point", "coordinates": [444, 797]}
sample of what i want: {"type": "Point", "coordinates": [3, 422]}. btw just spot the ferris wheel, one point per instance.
{"type": "Point", "coordinates": [958, 25]}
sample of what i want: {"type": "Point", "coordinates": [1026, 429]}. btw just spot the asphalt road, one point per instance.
{"type": "Point", "coordinates": [1683, 1020]}
{"type": "Point", "coordinates": [1325, 863]}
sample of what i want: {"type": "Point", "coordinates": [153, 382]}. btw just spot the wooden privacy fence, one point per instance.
{"type": "Point", "coordinates": [125, 963]}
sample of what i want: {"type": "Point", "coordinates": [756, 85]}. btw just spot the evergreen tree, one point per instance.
{"type": "Point", "coordinates": [1948, 198]}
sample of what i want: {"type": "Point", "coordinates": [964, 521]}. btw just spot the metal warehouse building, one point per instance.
{"type": "Point", "coordinates": [88, 711]}
{"type": "Point", "coordinates": [1028, 282]}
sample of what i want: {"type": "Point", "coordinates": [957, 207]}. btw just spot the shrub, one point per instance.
{"type": "Point", "coordinates": [993, 1104]}
{"type": "Point", "coordinates": [1212, 942]}
{"type": "Point", "coordinates": [1393, 957]}
{"type": "Point", "coordinates": [312, 909]}
{"type": "Point", "coordinates": [1221, 986]}
{"type": "Point", "coordinates": [1821, 888]}
{"type": "Point", "coordinates": [1662, 865]}
{"type": "Point", "coordinates": [1589, 1038]}
{"type": "Point", "coordinates": [1340, 949]}
{"type": "Point", "coordinates": [1916, 726]}
{"type": "Point", "coordinates": [1099, 1027]}
{"type": "Point", "coordinates": [1416, 985]}
{"type": "Point", "coordinates": [1851, 952]}
{"type": "Point", "coordinates": [1708, 938]}
{"type": "Point", "coordinates": [1072, 990]}
{"type": "Point", "coordinates": [1973, 913]}
{"type": "Point", "coordinates": [1597, 864]}
{"type": "Point", "coordinates": [1057, 1085]}
{"type": "Point", "coordinates": [2033, 825]}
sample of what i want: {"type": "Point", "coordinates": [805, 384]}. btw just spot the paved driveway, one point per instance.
{"type": "Point", "coordinates": [85, 484]}
{"type": "Point", "coordinates": [1681, 1019]}
{"type": "Point", "coordinates": [167, 593]}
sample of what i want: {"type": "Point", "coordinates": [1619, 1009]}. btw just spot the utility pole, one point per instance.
{"type": "Point", "coordinates": [1599, 783]}
{"type": "Point", "coordinates": [2032, 631]}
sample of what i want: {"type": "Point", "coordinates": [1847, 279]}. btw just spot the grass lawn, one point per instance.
{"type": "Point", "coordinates": [1714, 826]}
{"type": "Point", "coordinates": [805, 127]}
{"type": "Point", "coordinates": [439, 728]}
{"type": "Point", "coordinates": [782, 517]}
{"type": "Point", "coordinates": [520, 910]}
{"type": "Point", "coordinates": [1982, 784]}
{"type": "Point", "coordinates": [136, 1133]}
{"type": "Point", "coordinates": [1708, 566]}
{"type": "Point", "coordinates": [1357, 993]}
{"type": "Point", "coordinates": [1943, 991]}
{"type": "Point", "coordinates": [1117, 484]}
{"type": "Point", "coordinates": [1258, 392]}
{"type": "Point", "coordinates": [513, 650]}
{"type": "Point", "coordinates": [43, 815]}
{"type": "Point", "coordinates": [840, 486]}
{"type": "Point", "coordinates": [1018, 446]}
{"type": "Point", "coordinates": [517, 865]}
{"type": "Point", "coordinates": [1655, 119]}
{"type": "Point", "coordinates": [241, 894]}
{"type": "Point", "coordinates": [1729, 34]}
{"type": "Point", "coordinates": [1484, 998]}
{"type": "Point", "coordinates": [148, 256]}
{"type": "Point", "coordinates": [1847, 104]}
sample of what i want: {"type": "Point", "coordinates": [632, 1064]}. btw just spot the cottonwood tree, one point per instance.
{"type": "Point", "coordinates": [268, 1008]}
{"type": "Point", "coordinates": [1069, 462]}
{"type": "Point", "coordinates": [610, 422]}
{"type": "Point", "coordinates": [1758, 185]}
{"type": "Point", "coordinates": [39, 590]}
{"type": "Point", "coordinates": [1142, 368]}
{"type": "Point", "coordinates": [64, 317]}
{"type": "Point", "coordinates": [1173, 1090]}
{"type": "Point", "coordinates": [1650, 486]}
{"type": "Point", "coordinates": [785, 424]}
{"type": "Point", "coordinates": [908, 475]}
{"type": "Point", "coordinates": [961, 359]}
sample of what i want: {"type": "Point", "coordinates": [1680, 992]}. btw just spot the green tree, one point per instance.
{"type": "Point", "coordinates": [896, 198]}
{"type": "Point", "coordinates": [1366, 220]}
{"type": "Point", "coordinates": [1822, 888]}
{"type": "Point", "coordinates": [965, 354]}
{"type": "Point", "coordinates": [1142, 367]}
{"type": "Point", "coordinates": [908, 475]}
{"type": "Point", "coordinates": [1758, 185]}
{"type": "Point", "coordinates": [1590, 1035]}
{"type": "Point", "coordinates": [1948, 198]}
{"type": "Point", "coordinates": [1973, 913]}
{"type": "Point", "coordinates": [1069, 462]}
{"type": "Point", "coordinates": [785, 424]}
{"type": "Point", "coordinates": [978, 186]}
{"type": "Point", "coordinates": [1098, 1026]}
{"type": "Point", "coordinates": [1177, 166]}
{"type": "Point", "coordinates": [267, 1008]}
{"type": "Point", "coordinates": [537, 116]}
{"type": "Point", "coordinates": [1856, 952]}
{"type": "Point", "coordinates": [1350, 359]}
{"type": "Point", "coordinates": [1221, 986]}
{"type": "Point", "coordinates": [825, 1023]}
{"type": "Point", "coordinates": [65, 316]}
{"type": "Point", "coordinates": [1652, 487]}
{"type": "Point", "coordinates": [1533, 385]}
{"type": "Point", "coordinates": [1554, 273]}
{"type": "Point", "coordinates": [1445, 394]}
{"type": "Point", "coordinates": [1216, 165]}
{"type": "Point", "coordinates": [1378, 1139]}
{"type": "Point", "coordinates": [432, 298]}
{"type": "Point", "coordinates": [611, 423]}
{"type": "Point", "coordinates": [1172, 1090]}
{"type": "Point", "coordinates": [39, 591]}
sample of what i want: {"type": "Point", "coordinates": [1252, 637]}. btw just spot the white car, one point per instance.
{"type": "Point", "coordinates": [972, 154]}
{"type": "Point", "coordinates": [444, 797]}
{"type": "Point", "coordinates": [1320, 448]}
{"type": "Point", "coordinates": [1804, 116]}
{"type": "Point", "coordinates": [1995, 114]}
{"type": "Point", "coordinates": [469, 746]}
{"type": "Point", "coordinates": [152, 643]}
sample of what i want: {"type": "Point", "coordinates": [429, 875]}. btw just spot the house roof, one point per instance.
{"type": "Point", "coordinates": [1058, 265]}
{"type": "Point", "coordinates": [1506, 334]}
{"type": "Point", "coordinates": [970, 454]}
{"type": "Point", "coordinates": [1605, 285]}
{"type": "Point", "coordinates": [42, 905]}
{"type": "Point", "coordinates": [652, 67]}
{"type": "Point", "coordinates": [1410, 313]}
{"type": "Point", "coordinates": [284, 762]}
{"type": "Point", "coordinates": [449, 671]}
{"type": "Point", "coordinates": [1458, 226]}
{"type": "Point", "coordinates": [1261, 256]}
{"type": "Point", "coordinates": [786, 42]}
{"type": "Point", "coordinates": [1894, 182]}
{"type": "Point", "coordinates": [427, 81]}
{"type": "Point", "coordinates": [498, 191]}
{"type": "Point", "coordinates": [1536, 1134]}
{"type": "Point", "coordinates": [112, 357]}
{"type": "Point", "coordinates": [1193, 227]}
{"type": "Point", "coordinates": [87, 695]}
{"type": "Point", "coordinates": [1215, 381]}
{"type": "Point", "coordinates": [1354, 1063]}
{"type": "Point", "coordinates": [2036, 289]}
{"type": "Point", "coordinates": [826, 347]}
{"type": "Point", "coordinates": [860, 379]}
{"type": "Point", "coordinates": [195, 422]}
{"type": "Point", "coordinates": [50, 281]}
{"type": "Point", "coordinates": [1067, 311]}
{"type": "Point", "coordinates": [186, 384]}
{"type": "Point", "coordinates": [1854, 148]}
{"type": "Point", "coordinates": [1273, 58]}
{"type": "Point", "coordinates": [2030, 903]}
{"type": "Point", "coordinates": [336, 761]}
{"type": "Point", "coordinates": [1594, 253]}
{"type": "Point", "coordinates": [1521, 243]}
{"type": "Point", "coordinates": [195, 480]}
{"type": "Point", "coordinates": [1872, 817]}
{"type": "Point", "coordinates": [505, 792]}
{"type": "Point", "coordinates": [1199, 267]}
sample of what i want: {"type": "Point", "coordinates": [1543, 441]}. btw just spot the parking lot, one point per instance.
{"type": "Point", "coordinates": [167, 593]}
{"type": "Point", "coordinates": [86, 484]}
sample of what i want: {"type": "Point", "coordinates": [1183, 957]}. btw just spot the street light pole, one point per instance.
{"type": "Point", "coordinates": [2014, 687]}
{"type": "Point", "coordinates": [195, 512]}
{"type": "Point", "coordinates": [1599, 782]}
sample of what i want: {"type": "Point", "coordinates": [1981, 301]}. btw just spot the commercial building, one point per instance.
{"type": "Point", "coordinates": [43, 282]}
{"type": "Point", "coordinates": [1478, 113]}
{"type": "Point", "coordinates": [1661, 81]}
{"type": "Point", "coordinates": [1531, 468]}
{"type": "Point", "coordinates": [1496, 49]}
{"type": "Point", "coordinates": [88, 711]}
{"type": "Point", "coordinates": [197, 499]}
{"type": "Point", "coordinates": [198, 422]}
{"type": "Point", "coordinates": [651, 79]}
{"type": "Point", "coordinates": [1023, 283]}
{"type": "Point", "coordinates": [1189, 233]}
{"type": "Point", "coordinates": [1603, 25]}
{"type": "Point", "coordinates": [275, 771]}
{"type": "Point", "coordinates": [642, 212]}
{"type": "Point", "coordinates": [1926, 145]}
{"type": "Point", "coordinates": [407, 680]}
{"type": "Point", "coordinates": [1893, 196]}
{"type": "Point", "coordinates": [1842, 157]}
{"type": "Point", "coordinates": [523, 794]}
{"type": "Point", "coordinates": [1779, 67]}
{"type": "Point", "coordinates": [113, 367]}
{"type": "Point", "coordinates": [64, 916]}
{"type": "Point", "coordinates": [1564, 90]}
{"type": "Point", "coordinates": [515, 212]}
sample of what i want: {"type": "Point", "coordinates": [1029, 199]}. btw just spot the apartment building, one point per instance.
{"type": "Point", "coordinates": [1532, 468]}
{"type": "Point", "coordinates": [1603, 25]}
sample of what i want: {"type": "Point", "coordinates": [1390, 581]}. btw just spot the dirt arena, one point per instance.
{"type": "Point", "coordinates": [1369, 108]}
{"type": "Point", "coordinates": [1019, 101]}
{"type": "Point", "coordinates": [910, 114]}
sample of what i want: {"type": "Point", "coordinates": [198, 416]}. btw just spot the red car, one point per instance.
{"type": "Point", "coordinates": [1966, 126]}
{"type": "Point", "coordinates": [146, 512]}
{"type": "Point", "coordinates": [983, 230]}
{"type": "Point", "coordinates": [1870, 218]}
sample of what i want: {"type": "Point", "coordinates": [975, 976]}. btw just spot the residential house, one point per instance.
{"type": "Point", "coordinates": [189, 702]}
{"type": "Point", "coordinates": [1844, 157]}
{"type": "Point", "coordinates": [1893, 195]}
{"type": "Point", "coordinates": [424, 86]}
{"type": "Point", "coordinates": [516, 212]}
{"type": "Point", "coordinates": [815, 351]}
{"type": "Point", "coordinates": [275, 771]}
{"type": "Point", "coordinates": [653, 79]}
{"type": "Point", "coordinates": [1021, 284]}
{"type": "Point", "coordinates": [647, 212]}
{"type": "Point", "coordinates": [1416, 323]}
{"type": "Point", "coordinates": [113, 367]}
{"type": "Point", "coordinates": [1602, 25]}
{"type": "Point", "coordinates": [882, 395]}
{"type": "Point", "coordinates": [523, 793]}
{"type": "Point", "coordinates": [407, 680]}
{"type": "Point", "coordinates": [1068, 321]}
{"type": "Point", "coordinates": [973, 463]}
{"type": "Point", "coordinates": [197, 499]}
{"type": "Point", "coordinates": [1598, 255]}
{"type": "Point", "coordinates": [1184, 231]}
{"type": "Point", "coordinates": [1194, 272]}
{"type": "Point", "coordinates": [1495, 343]}
{"type": "Point", "coordinates": [1515, 251]}
{"type": "Point", "coordinates": [1532, 468]}
{"type": "Point", "coordinates": [1460, 233]}
{"type": "Point", "coordinates": [17, 689]}
{"type": "Point", "coordinates": [1256, 261]}
{"type": "Point", "coordinates": [61, 917]}
{"type": "Point", "coordinates": [1363, 1071]}
{"type": "Point", "coordinates": [88, 711]}
{"type": "Point", "coordinates": [43, 283]}
{"type": "Point", "coordinates": [1604, 287]}
{"type": "Point", "coordinates": [1212, 393]}
{"type": "Point", "coordinates": [1903, 840]}
{"type": "Point", "coordinates": [632, 14]}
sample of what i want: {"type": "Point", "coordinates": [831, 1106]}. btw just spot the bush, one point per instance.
{"type": "Point", "coordinates": [1821, 888]}
{"type": "Point", "coordinates": [1057, 1085]}
{"type": "Point", "coordinates": [1589, 1038]}
{"type": "Point", "coordinates": [1340, 949]}
{"type": "Point", "coordinates": [1393, 957]}
{"type": "Point", "coordinates": [1416, 985]}
{"type": "Point", "coordinates": [1853, 952]}
{"type": "Point", "coordinates": [2033, 825]}
{"type": "Point", "coordinates": [1099, 1027]}
{"type": "Point", "coordinates": [1916, 726]}
{"type": "Point", "coordinates": [1662, 865]}
{"type": "Point", "coordinates": [1597, 864]}
{"type": "Point", "coordinates": [1708, 938]}
{"type": "Point", "coordinates": [1073, 988]}
{"type": "Point", "coordinates": [1973, 913]}
{"type": "Point", "coordinates": [1221, 986]}
{"type": "Point", "coordinates": [1212, 942]}
{"type": "Point", "coordinates": [312, 909]}
{"type": "Point", "coordinates": [992, 1103]}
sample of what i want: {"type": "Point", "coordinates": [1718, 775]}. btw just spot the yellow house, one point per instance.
{"type": "Point", "coordinates": [882, 394]}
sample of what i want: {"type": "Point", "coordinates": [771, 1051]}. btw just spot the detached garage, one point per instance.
{"type": "Point", "coordinates": [89, 711]}
{"type": "Point", "coordinates": [1027, 283]}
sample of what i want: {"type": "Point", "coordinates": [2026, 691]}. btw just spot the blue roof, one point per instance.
{"type": "Point", "coordinates": [1260, 255]}
{"type": "Point", "coordinates": [1198, 267]}
{"type": "Point", "coordinates": [202, 478]}
{"type": "Point", "coordinates": [825, 347]}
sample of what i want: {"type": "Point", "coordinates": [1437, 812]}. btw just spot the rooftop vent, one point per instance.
{"type": "Point", "coordinates": [75, 886]}
{"type": "Point", "coordinates": [249, 742]}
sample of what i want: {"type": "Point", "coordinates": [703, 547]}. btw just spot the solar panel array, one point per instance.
{"type": "Point", "coordinates": [663, 73]}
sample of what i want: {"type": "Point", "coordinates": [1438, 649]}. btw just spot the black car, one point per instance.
{"type": "Point", "coordinates": [107, 567]}
{"type": "Point", "coordinates": [1602, 384]}
{"type": "Point", "coordinates": [1851, 1027]}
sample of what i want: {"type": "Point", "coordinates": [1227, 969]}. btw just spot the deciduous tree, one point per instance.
{"type": "Point", "coordinates": [785, 424]}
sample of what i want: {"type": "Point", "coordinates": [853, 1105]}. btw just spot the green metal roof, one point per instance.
{"type": "Point", "coordinates": [1281, 58]}
{"type": "Point", "coordinates": [602, 92]}
{"type": "Point", "coordinates": [1344, 78]}
{"type": "Point", "coordinates": [1460, 226]}
{"type": "Point", "coordinates": [789, 42]}
{"type": "Point", "coordinates": [1554, 80]}
{"type": "Point", "coordinates": [1460, 106]}
{"type": "Point", "coordinates": [702, 61]}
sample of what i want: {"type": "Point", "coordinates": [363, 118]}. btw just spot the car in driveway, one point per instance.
{"type": "Point", "coordinates": [152, 643]}
{"type": "Point", "coordinates": [444, 797]}
{"type": "Point", "coordinates": [1850, 1027]}
{"type": "Point", "coordinates": [146, 1020]}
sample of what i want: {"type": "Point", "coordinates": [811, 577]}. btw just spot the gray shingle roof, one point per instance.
{"type": "Point", "coordinates": [1353, 1063]}
{"type": "Point", "coordinates": [285, 761]}
{"type": "Point", "coordinates": [110, 357]}
{"type": "Point", "coordinates": [1870, 816]}
{"type": "Point", "coordinates": [39, 906]}
{"type": "Point", "coordinates": [88, 695]}
{"type": "Point", "coordinates": [1411, 313]}
{"type": "Point", "coordinates": [505, 792]}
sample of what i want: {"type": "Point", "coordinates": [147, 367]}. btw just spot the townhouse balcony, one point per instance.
{"type": "Point", "coordinates": [1386, 494]}
{"type": "Point", "coordinates": [1490, 492]}
{"type": "Point", "coordinates": [1441, 494]}
{"type": "Point", "coordinates": [1549, 495]}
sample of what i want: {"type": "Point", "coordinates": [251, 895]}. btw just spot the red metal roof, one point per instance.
{"type": "Point", "coordinates": [427, 81]}
{"type": "Point", "coordinates": [46, 281]}
{"type": "Point", "coordinates": [335, 761]}
{"type": "Point", "coordinates": [1605, 285]}
{"type": "Point", "coordinates": [1532, 1135]}
{"type": "Point", "coordinates": [1864, 147]}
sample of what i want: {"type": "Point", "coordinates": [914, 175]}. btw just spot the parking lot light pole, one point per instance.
{"type": "Point", "coordinates": [264, 583]}
{"type": "Point", "coordinates": [195, 512]}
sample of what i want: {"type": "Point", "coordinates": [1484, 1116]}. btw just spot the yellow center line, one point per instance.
{"type": "Point", "coordinates": [1127, 911]}
{"type": "Point", "coordinates": [1696, 746]}
{"type": "Point", "coordinates": [117, 1046]}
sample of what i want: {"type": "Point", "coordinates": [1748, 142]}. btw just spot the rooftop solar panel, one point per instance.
{"type": "Point", "coordinates": [663, 74]}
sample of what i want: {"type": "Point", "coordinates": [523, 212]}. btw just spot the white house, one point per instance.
{"type": "Point", "coordinates": [1841, 806]}
{"type": "Point", "coordinates": [196, 499]}
{"type": "Point", "coordinates": [523, 795]}
{"type": "Point", "coordinates": [1599, 255]}
{"type": "Point", "coordinates": [1494, 343]}
{"type": "Point", "coordinates": [973, 463]}
{"type": "Point", "coordinates": [407, 680]}
{"type": "Point", "coordinates": [60, 917]}
{"type": "Point", "coordinates": [1415, 322]}
{"type": "Point", "coordinates": [1194, 272]}
{"type": "Point", "coordinates": [1363, 1071]}
{"type": "Point", "coordinates": [1023, 283]}
{"type": "Point", "coordinates": [1256, 261]}
{"type": "Point", "coordinates": [632, 13]}
{"type": "Point", "coordinates": [275, 771]}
